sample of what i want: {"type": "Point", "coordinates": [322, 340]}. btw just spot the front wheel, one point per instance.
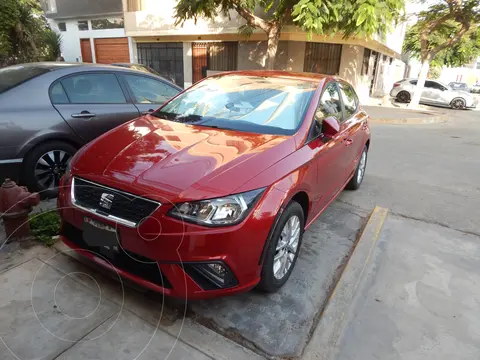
{"type": "Point", "coordinates": [44, 166]}
{"type": "Point", "coordinates": [458, 104]}
{"type": "Point", "coordinates": [357, 178]}
{"type": "Point", "coordinates": [282, 252]}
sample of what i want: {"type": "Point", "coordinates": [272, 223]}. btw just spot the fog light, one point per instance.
{"type": "Point", "coordinates": [211, 276]}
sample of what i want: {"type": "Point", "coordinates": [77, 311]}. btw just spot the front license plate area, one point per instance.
{"type": "Point", "coordinates": [100, 235]}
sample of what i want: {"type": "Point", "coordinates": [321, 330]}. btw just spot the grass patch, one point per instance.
{"type": "Point", "coordinates": [45, 226]}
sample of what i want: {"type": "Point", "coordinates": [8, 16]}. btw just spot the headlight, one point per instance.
{"type": "Point", "coordinates": [229, 210]}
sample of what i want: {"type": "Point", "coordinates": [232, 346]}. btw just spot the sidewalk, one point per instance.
{"type": "Point", "coordinates": [394, 115]}
{"type": "Point", "coordinates": [418, 297]}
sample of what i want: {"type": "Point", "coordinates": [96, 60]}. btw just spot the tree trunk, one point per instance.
{"type": "Point", "coordinates": [272, 45]}
{"type": "Point", "coordinates": [420, 83]}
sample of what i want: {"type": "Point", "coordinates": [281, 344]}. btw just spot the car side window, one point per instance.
{"type": "Point", "coordinates": [98, 88]}
{"type": "Point", "coordinates": [149, 91]}
{"type": "Point", "coordinates": [429, 84]}
{"type": "Point", "coordinates": [58, 95]}
{"type": "Point", "coordinates": [438, 86]}
{"type": "Point", "coordinates": [350, 99]}
{"type": "Point", "coordinates": [329, 105]}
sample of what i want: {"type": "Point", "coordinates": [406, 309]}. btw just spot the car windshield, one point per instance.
{"type": "Point", "coordinates": [15, 75]}
{"type": "Point", "coordinates": [266, 105]}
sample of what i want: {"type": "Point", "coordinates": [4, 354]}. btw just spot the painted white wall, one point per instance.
{"type": "Point", "coordinates": [187, 65]}
{"type": "Point", "coordinates": [71, 38]}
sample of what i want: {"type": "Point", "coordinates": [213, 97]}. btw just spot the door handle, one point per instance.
{"type": "Point", "coordinates": [149, 111]}
{"type": "Point", "coordinates": [348, 141]}
{"type": "Point", "coordinates": [83, 114]}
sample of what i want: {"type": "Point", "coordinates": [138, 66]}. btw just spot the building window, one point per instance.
{"type": "Point", "coordinates": [111, 23]}
{"type": "Point", "coordinates": [366, 60]}
{"type": "Point", "coordinates": [82, 25]}
{"type": "Point", "coordinates": [478, 64]}
{"type": "Point", "coordinates": [62, 26]}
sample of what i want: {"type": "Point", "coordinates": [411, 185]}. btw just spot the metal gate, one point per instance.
{"type": "Point", "coordinates": [218, 56]}
{"type": "Point", "coordinates": [322, 58]}
{"type": "Point", "coordinates": [166, 58]}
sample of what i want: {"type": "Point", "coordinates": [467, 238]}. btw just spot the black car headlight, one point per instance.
{"type": "Point", "coordinates": [228, 210]}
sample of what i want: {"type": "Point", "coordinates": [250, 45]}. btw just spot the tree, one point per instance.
{"type": "Point", "coordinates": [447, 33]}
{"type": "Point", "coordinates": [22, 32]}
{"type": "Point", "coordinates": [349, 17]}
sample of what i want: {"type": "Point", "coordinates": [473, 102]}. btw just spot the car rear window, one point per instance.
{"type": "Point", "coordinates": [15, 75]}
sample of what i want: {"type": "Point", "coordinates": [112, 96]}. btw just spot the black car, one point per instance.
{"type": "Point", "coordinates": [49, 110]}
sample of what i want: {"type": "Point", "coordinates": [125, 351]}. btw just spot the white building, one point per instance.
{"type": "Point", "coordinates": [92, 31]}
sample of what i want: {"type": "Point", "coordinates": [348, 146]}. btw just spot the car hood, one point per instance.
{"type": "Point", "coordinates": [169, 161]}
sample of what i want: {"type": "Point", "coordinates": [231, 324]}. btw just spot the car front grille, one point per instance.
{"type": "Point", "coordinates": [110, 203]}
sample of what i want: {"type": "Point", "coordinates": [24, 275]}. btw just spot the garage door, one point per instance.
{"type": "Point", "coordinates": [111, 50]}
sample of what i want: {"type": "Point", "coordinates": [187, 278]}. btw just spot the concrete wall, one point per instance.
{"type": "Point", "coordinates": [351, 63]}
{"type": "Point", "coordinates": [71, 38]}
{"type": "Point", "coordinates": [187, 65]}
{"type": "Point", "coordinates": [252, 55]}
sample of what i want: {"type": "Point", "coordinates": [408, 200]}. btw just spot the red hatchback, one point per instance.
{"type": "Point", "coordinates": [210, 194]}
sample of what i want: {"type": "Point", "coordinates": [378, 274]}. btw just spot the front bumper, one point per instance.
{"type": "Point", "coordinates": [167, 261]}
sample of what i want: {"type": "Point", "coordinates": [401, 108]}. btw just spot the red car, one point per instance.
{"type": "Point", "coordinates": [210, 194]}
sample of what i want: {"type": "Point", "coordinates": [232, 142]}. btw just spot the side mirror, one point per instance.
{"type": "Point", "coordinates": [330, 126]}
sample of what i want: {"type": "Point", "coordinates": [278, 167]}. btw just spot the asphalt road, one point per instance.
{"type": "Point", "coordinates": [425, 172]}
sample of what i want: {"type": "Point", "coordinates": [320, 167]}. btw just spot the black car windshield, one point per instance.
{"type": "Point", "coordinates": [266, 105]}
{"type": "Point", "coordinates": [15, 75]}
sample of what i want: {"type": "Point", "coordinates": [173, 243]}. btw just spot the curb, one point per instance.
{"type": "Point", "coordinates": [324, 340]}
{"type": "Point", "coordinates": [436, 119]}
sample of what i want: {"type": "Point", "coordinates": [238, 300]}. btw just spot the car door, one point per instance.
{"type": "Point", "coordinates": [326, 151]}
{"type": "Point", "coordinates": [428, 93]}
{"type": "Point", "coordinates": [148, 93]}
{"type": "Point", "coordinates": [92, 103]}
{"type": "Point", "coordinates": [441, 94]}
{"type": "Point", "coordinates": [350, 129]}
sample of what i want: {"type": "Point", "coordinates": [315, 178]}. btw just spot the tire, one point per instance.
{"type": "Point", "coordinates": [458, 104]}
{"type": "Point", "coordinates": [44, 165]}
{"type": "Point", "coordinates": [272, 280]}
{"type": "Point", "coordinates": [403, 96]}
{"type": "Point", "coordinates": [357, 178]}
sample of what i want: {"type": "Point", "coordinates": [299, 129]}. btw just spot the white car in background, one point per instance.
{"type": "Point", "coordinates": [434, 93]}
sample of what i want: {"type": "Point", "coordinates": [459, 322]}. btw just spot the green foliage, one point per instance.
{"type": "Point", "coordinates": [451, 33]}
{"type": "Point", "coordinates": [45, 226]}
{"type": "Point", "coordinates": [434, 72]}
{"type": "Point", "coordinates": [23, 32]}
{"type": "Point", "coordinates": [53, 42]}
{"type": "Point", "coordinates": [350, 17]}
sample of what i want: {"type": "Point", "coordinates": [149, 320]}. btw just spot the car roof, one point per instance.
{"type": "Point", "coordinates": [311, 77]}
{"type": "Point", "coordinates": [52, 65]}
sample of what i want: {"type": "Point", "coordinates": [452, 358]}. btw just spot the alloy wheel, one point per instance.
{"type": "Point", "coordinates": [50, 167]}
{"type": "Point", "coordinates": [286, 249]}
{"type": "Point", "coordinates": [361, 167]}
{"type": "Point", "coordinates": [458, 104]}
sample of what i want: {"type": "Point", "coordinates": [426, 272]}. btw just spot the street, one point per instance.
{"type": "Point", "coordinates": [426, 172]}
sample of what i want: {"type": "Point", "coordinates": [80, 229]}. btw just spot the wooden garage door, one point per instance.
{"type": "Point", "coordinates": [111, 50]}
{"type": "Point", "coordinates": [86, 50]}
